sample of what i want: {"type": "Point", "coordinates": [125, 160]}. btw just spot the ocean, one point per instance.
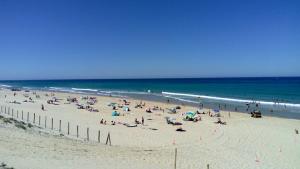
{"type": "Point", "coordinates": [273, 96]}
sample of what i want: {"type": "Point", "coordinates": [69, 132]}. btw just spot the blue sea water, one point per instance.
{"type": "Point", "coordinates": [275, 96]}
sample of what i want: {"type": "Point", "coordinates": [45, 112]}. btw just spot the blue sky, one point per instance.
{"type": "Point", "coordinates": [56, 39]}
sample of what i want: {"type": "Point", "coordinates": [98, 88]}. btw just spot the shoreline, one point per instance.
{"type": "Point", "coordinates": [269, 110]}
{"type": "Point", "coordinates": [236, 102]}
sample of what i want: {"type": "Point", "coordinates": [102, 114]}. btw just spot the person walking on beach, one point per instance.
{"type": "Point", "coordinates": [143, 120]}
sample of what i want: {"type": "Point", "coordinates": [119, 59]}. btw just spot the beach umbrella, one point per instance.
{"type": "Point", "coordinates": [189, 116]}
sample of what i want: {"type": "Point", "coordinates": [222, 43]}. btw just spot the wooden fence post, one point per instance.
{"type": "Point", "coordinates": [108, 139]}
{"type": "Point", "coordinates": [22, 115]}
{"type": "Point", "coordinates": [27, 116]}
{"type": "Point", "coordinates": [59, 125]}
{"type": "Point", "coordinates": [175, 161]}
{"type": "Point", "coordinates": [68, 128]}
{"type": "Point", "coordinates": [52, 123]}
{"type": "Point", "coordinates": [207, 166]}
{"type": "Point", "coordinates": [77, 131]}
{"type": "Point", "coordinates": [45, 122]}
{"type": "Point", "coordinates": [39, 120]}
{"type": "Point", "coordinates": [87, 134]}
{"type": "Point", "coordinates": [99, 136]}
{"type": "Point", "coordinates": [33, 117]}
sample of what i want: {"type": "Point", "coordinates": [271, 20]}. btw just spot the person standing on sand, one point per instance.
{"type": "Point", "coordinates": [143, 120]}
{"type": "Point", "coordinates": [43, 108]}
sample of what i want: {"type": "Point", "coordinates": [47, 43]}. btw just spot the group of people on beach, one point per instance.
{"type": "Point", "coordinates": [139, 122]}
{"type": "Point", "coordinates": [102, 121]}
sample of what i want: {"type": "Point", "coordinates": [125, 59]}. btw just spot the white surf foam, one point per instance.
{"type": "Point", "coordinates": [6, 86]}
{"type": "Point", "coordinates": [231, 99]}
{"type": "Point", "coordinates": [80, 89]}
{"type": "Point", "coordinates": [60, 89]}
{"type": "Point", "coordinates": [126, 92]}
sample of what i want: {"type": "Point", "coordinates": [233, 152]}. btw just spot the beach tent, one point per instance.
{"type": "Point", "coordinates": [115, 113]}
{"type": "Point", "coordinates": [189, 116]}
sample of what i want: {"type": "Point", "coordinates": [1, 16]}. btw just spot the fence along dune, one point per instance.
{"type": "Point", "coordinates": [95, 138]}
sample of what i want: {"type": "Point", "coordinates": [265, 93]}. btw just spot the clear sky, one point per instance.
{"type": "Point", "coordinates": [56, 39]}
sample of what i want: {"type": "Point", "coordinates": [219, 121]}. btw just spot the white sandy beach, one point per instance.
{"type": "Point", "coordinates": [244, 142]}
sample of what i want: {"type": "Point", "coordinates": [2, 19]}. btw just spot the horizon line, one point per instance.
{"type": "Point", "coordinates": [227, 77]}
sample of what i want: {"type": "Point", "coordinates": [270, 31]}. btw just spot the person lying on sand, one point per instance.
{"type": "Point", "coordinates": [198, 112]}
{"type": "Point", "coordinates": [155, 108]}
{"type": "Point", "coordinates": [180, 129]}
{"type": "Point", "coordinates": [15, 102]}
{"type": "Point", "coordinates": [50, 101]}
{"type": "Point", "coordinates": [220, 122]}
{"type": "Point", "coordinates": [172, 121]}
{"type": "Point", "coordinates": [148, 110]}
{"type": "Point", "coordinates": [198, 118]}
